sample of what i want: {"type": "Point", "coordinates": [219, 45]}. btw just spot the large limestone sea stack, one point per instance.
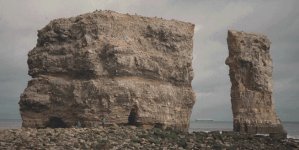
{"type": "Point", "coordinates": [123, 68]}
{"type": "Point", "coordinates": [251, 77]}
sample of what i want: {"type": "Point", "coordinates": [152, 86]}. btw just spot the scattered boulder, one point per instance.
{"type": "Point", "coordinates": [125, 137]}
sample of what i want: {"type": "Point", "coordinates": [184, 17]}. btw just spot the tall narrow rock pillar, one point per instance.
{"type": "Point", "coordinates": [250, 71]}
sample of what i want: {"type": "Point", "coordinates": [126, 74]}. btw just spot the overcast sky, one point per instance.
{"type": "Point", "coordinates": [278, 19]}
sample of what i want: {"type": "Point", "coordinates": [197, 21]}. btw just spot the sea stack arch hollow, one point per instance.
{"type": "Point", "coordinates": [104, 65]}
{"type": "Point", "coordinates": [250, 71]}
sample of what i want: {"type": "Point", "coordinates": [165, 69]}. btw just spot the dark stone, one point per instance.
{"type": "Point", "coordinates": [278, 136]}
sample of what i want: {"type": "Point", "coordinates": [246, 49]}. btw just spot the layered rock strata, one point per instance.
{"type": "Point", "coordinates": [250, 71]}
{"type": "Point", "coordinates": [107, 67]}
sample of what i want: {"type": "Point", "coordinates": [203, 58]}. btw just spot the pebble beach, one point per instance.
{"type": "Point", "coordinates": [131, 137]}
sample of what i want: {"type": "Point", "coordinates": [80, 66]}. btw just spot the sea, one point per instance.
{"type": "Point", "coordinates": [292, 128]}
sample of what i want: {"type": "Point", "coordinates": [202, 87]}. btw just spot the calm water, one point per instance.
{"type": "Point", "coordinates": [291, 127]}
{"type": "Point", "coordinates": [10, 123]}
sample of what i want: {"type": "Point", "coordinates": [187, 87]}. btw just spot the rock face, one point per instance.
{"type": "Point", "coordinates": [250, 70]}
{"type": "Point", "coordinates": [108, 66]}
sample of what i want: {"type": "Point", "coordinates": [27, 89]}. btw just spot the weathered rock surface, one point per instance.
{"type": "Point", "coordinates": [113, 66]}
{"type": "Point", "coordinates": [250, 70]}
{"type": "Point", "coordinates": [136, 138]}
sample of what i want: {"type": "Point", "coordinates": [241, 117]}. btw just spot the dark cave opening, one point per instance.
{"type": "Point", "coordinates": [56, 122]}
{"type": "Point", "coordinates": [133, 117]}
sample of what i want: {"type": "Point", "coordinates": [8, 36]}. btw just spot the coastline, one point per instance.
{"type": "Point", "coordinates": [195, 126]}
{"type": "Point", "coordinates": [131, 137]}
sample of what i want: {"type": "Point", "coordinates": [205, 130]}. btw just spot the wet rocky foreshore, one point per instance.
{"type": "Point", "coordinates": [131, 137]}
